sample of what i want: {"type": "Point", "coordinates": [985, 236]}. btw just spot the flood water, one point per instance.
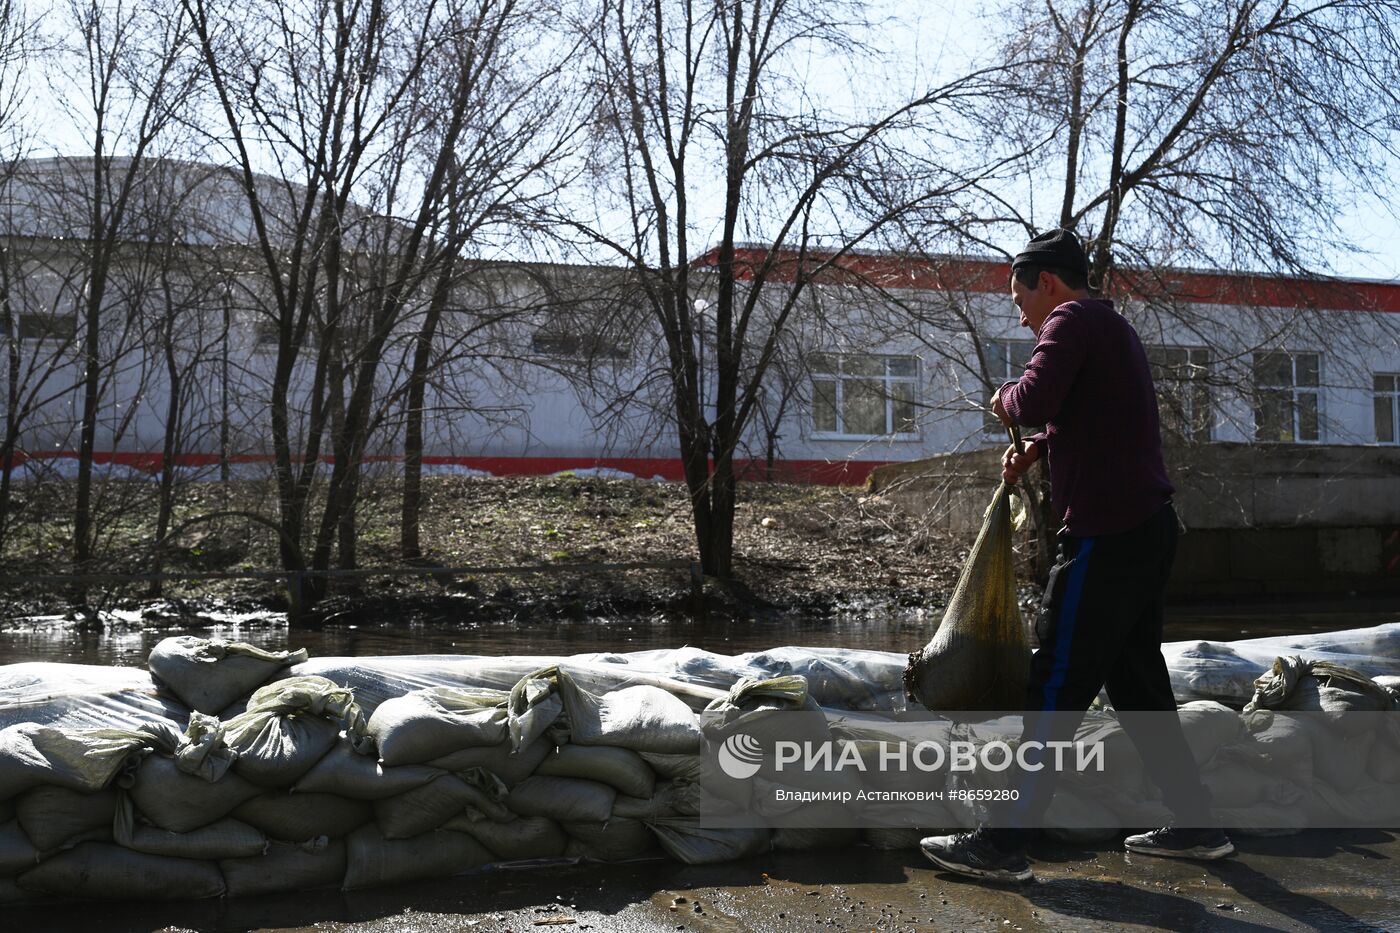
{"type": "Point", "coordinates": [126, 638]}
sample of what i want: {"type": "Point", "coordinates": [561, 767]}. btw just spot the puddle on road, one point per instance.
{"type": "Point", "coordinates": [125, 637]}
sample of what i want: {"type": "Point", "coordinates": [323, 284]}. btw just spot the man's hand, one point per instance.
{"type": "Point", "coordinates": [1014, 465]}
{"type": "Point", "coordinates": [1000, 410]}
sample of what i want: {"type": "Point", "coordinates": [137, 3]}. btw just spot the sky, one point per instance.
{"type": "Point", "coordinates": [916, 43]}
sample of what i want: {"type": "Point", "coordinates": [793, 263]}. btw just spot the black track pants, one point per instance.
{"type": "Point", "coordinates": [1100, 625]}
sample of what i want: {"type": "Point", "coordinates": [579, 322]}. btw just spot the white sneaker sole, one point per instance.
{"type": "Point", "coordinates": [990, 874]}
{"type": "Point", "coordinates": [1201, 853]}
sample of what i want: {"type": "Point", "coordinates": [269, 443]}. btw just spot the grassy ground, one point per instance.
{"type": "Point", "coordinates": [811, 549]}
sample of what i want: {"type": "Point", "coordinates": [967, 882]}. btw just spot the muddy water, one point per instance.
{"type": "Point", "coordinates": [126, 637]}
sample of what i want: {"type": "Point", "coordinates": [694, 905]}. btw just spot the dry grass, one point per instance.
{"type": "Point", "coordinates": [803, 548]}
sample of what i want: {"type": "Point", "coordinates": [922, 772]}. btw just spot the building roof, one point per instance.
{"type": "Point", "coordinates": [990, 275]}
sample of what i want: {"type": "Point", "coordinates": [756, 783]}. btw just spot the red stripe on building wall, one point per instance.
{"type": "Point", "coordinates": [821, 472]}
{"type": "Point", "coordinates": [985, 276]}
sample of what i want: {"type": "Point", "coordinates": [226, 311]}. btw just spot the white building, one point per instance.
{"type": "Point", "coordinates": [549, 367]}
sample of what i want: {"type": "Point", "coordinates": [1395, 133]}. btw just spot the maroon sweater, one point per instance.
{"type": "Point", "coordinates": [1089, 383]}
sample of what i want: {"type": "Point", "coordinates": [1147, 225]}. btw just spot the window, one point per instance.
{"type": "Point", "coordinates": [1387, 408]}
{"type": "Point", "coordinates": [858, 395]}
{"type": "Point", "coordinates": [267, 336]}
{"type": "Point", "coordinates": [41, 326]}
{"type": "Point", "coordinates": [1006, 361]}
{"type": "Point", "coordinates": [556, 342]}
{"type": "Point", "coordinates": [1182, 375]}
{"type": "Point", "coordinates": [1286, 395]}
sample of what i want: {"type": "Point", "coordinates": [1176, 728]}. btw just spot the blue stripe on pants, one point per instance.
{"type": "Point", "coordinates": [1064, 635]}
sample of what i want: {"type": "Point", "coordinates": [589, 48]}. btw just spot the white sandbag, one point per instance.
{"type": "Point", "coordinates": [684, 839]}
{"type": "Point", "coordinates": [1284, 742]}
{"type": "Point", "coordinates": [372, 860]}
{"type": "Point", "coordinates": [180, 802]}
{"type": "Point", "coordinates": [286, 867]}
{"type": "Point", "coordinates": [347, 773]}
{"type": "Point", "coordinates": [428, 724]}
{"type": "Point", "coordinates": [289, 726]}
{"type": "Point", "coordinates": [620, 768]}
{"type": "Point", "coordinates": [1122, 763]}
{"type": "Point", "coordinates": [1383, 764]}
{"type": "Point", "coordinates": [562, 799]}
{"type": "Point", "coordinates": [101, 871]}
{"type": "Point", "coordinates": [643, 717]}
{"type": "Point", "coordinates": [799, 839]}
{"type": "Point", "coordinates": [300, 817]}
{"type": "Point", "coordinates": [1208, 726]}
{"type": "Point", "coordinates": [375, 680]}
{"type": "Point", "coordinates": [17, 852]}
{"type": "Point", "coordinates": [1226, 671]}
{"type": "Point", "coordinates": [275, 750]}
{"type": "Point", "coordinates": [521, 839]}
{"type": "Point", "coordinates": [209, 674]}
{"type": "Point", "coordinates": [671, 798]}
{"type": "Point", "coordinates": [476, 795]}
{"type": "Point", "coordinates": [616, 840]}
{"type": "Point", "coordinates": [510, 766]}
{"type": "Point", "coordinates": [54, 816]}
{"type": "Point", "coordinates": [1364, 804]}
{"type": "Point", "coordinates": [1339, 760]}
{"type": "Point", "coordinates": [675, 767]}
{"type": "Point", "coordinates": [1078, 820]}
{"type": "Point", "coordinates": [1234, 785]}
{"type": "Point", "coordinates": [222, 838]}
{"type": "Point", "coordinates": [32, 755]}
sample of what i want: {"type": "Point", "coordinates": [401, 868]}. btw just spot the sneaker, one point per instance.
{"type": "Point", "coordinates": [1181, 843]}
{"type": "Point", "coordinates": [974, 855]}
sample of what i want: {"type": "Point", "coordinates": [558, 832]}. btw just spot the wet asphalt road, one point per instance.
{"type": "Point", "coordinates": [1320, 880]}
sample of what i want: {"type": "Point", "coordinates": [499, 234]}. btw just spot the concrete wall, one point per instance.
{"type": "Point", "coordinates": [1260, 520]}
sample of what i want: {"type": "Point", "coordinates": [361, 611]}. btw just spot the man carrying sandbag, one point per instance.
{"type": "Point", "coordinates": [1100, 622]}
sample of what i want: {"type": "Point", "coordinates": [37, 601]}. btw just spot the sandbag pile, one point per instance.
{"type": "Point", "coordinates": [208, 781]}
{"type": "Point", "coordinates": [227, 770]}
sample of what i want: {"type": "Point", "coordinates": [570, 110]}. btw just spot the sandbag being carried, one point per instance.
{"type": "Point", "coordinates": [209, 674]}
{"type": "Point", "coordinates": [978, 659]}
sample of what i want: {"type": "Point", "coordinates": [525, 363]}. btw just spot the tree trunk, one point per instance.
{"type": "Point", "coordinates": [409, 545]}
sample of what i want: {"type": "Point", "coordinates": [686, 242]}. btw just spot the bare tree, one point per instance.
{"type": "Point", "coordinates": [133, 65]}
{"type": "Point", "coordinates": [694, 99]}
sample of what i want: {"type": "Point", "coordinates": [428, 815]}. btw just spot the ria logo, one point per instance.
{"type": "Point", "coordinates": [740, 756]}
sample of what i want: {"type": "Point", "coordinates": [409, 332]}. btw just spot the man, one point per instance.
{"type": "Point", "coordinates": [1100, 622]}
